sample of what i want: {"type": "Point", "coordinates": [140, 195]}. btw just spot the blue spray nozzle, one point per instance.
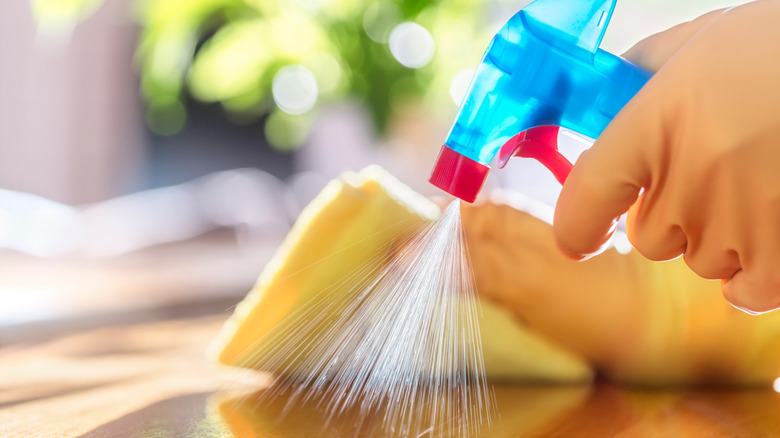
{"type": "Point", "coordinates": [543, 68]}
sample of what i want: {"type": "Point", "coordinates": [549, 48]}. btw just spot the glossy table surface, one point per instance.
{"type": "Point", "coordinates": [150, 379]}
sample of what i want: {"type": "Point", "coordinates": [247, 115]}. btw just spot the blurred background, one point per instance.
{"type": "Point", "coordinates": [153, 153]}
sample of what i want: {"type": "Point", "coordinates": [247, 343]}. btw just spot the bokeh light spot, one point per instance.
{"type": "Point", "coordinates": [295, 89]}
{"type": "Point", "coordinates": [412, 45]}
{"type": "Point", "coordinates": [312, 6]}
{"type": "Point", "coordinates": [286, 132]}
{"type": "Point", "coordinates": [326, 69]}
{"type": "Point", "coordinates": [379, 19]}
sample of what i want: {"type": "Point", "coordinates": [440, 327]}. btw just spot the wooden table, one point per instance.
{"type": "Point", "coordinates": [151, 379]}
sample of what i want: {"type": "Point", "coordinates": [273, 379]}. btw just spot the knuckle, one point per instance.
{"type": "Point", "coordinates": [699, 266]}
{"type": "Point", "coordinates": [657, 243]}
{"type": "Point", "coordinates": [710, 265]}
{"type": "Point", "coordinates": [753, 292]}
{"type": "Point", "coordinates": [768, 281]}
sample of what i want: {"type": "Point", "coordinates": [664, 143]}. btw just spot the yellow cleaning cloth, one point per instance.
{"type": "Point", "coordinates": [354, 219]}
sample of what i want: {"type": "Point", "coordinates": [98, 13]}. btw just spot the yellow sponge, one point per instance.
{"type": "Point", "coordinates": [354, 219]}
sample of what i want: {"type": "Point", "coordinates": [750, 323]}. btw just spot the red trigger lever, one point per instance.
{"type": "Point", "coordinates": [540, 143]}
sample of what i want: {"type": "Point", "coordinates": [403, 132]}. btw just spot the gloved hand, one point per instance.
{"type": "Point", "coordinates": [695, 155]}
{"type": "Point", "coordinates": [635, 320]}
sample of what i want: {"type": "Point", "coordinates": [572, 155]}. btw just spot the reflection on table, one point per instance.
{"type": "Point", "coordinates": [151, 378]}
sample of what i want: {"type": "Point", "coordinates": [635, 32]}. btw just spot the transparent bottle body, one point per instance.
{"type": "Point", "coordinates": [526, 79]}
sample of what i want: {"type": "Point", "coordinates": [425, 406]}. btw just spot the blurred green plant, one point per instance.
{"type": "Point", "coordinates": [284, 58]}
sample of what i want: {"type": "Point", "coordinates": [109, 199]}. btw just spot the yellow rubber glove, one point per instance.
{"type": "Point", "coordinates": [635, 320]}
{"type": "Point", "coordinates": [697, 154]}
{"type": "Point", "coordinates": [356, 218]}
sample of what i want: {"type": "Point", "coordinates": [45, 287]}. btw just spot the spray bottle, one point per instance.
{"type": "Point", "coordinates": [541, 72]}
